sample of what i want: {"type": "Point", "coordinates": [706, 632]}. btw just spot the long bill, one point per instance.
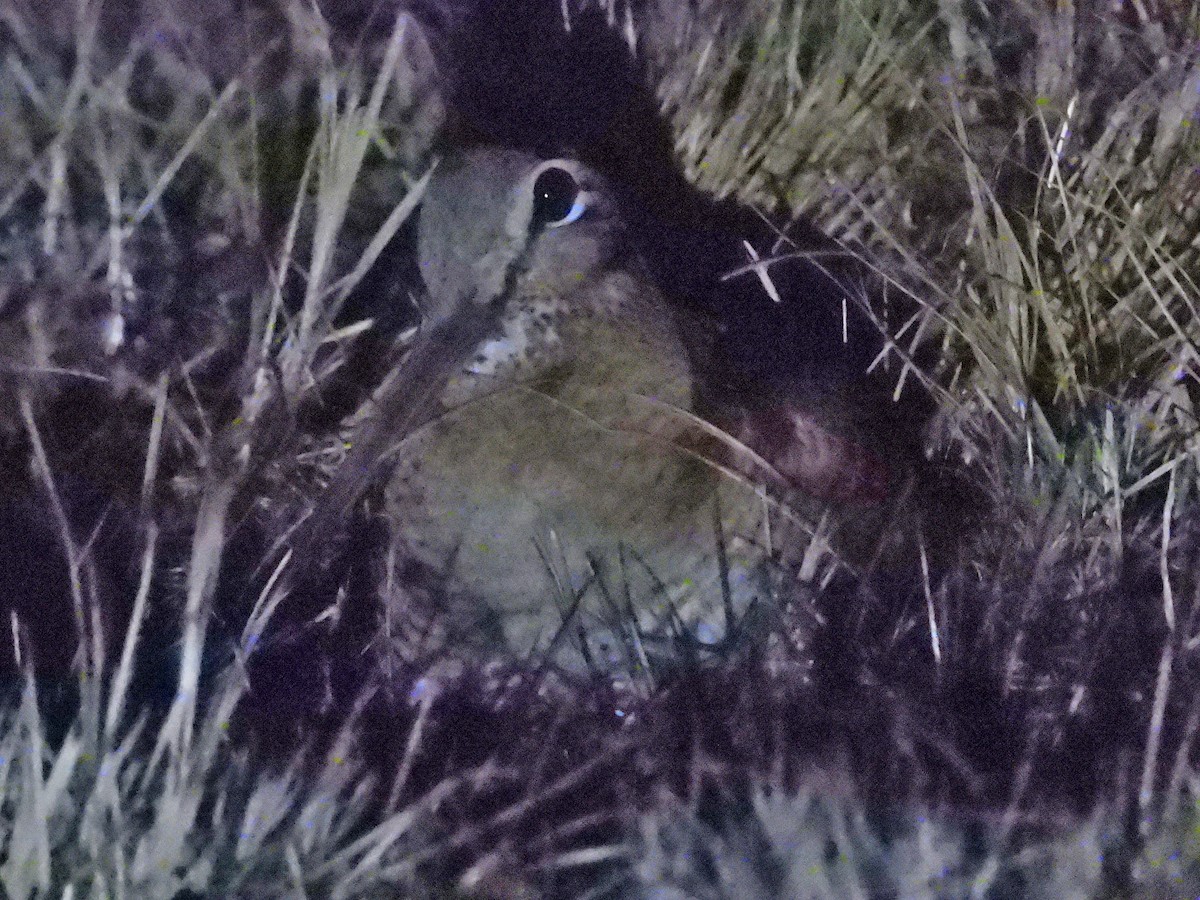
{"type": "Point", "coordinates": [404, 405]}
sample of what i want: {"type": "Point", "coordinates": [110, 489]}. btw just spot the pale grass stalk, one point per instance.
{"type": "Point", "coordinates": [1109, 470]}
{"type": "Point", "coordinates": [175, 737]}
{"type": "Point", "coordinates": [110, 805]}
{"type": "Point", "coordinates": [410, 749]}
{"type": "Point", "coordinates": [572, 859]}
{"type": "Point", "coordinates": [121, 679]}
{"type": "Point", "coordinates": [266, 604]}
{"type": "Point", "coordinates": [348, 332]}
{"type": "Point", "coordinates": [16, 66]}
{"type": "Point", "coordinates": [124, 673]}
{"type": "Point", "coordinates": [27, 869]}
{"type": "Point", "coordinates": [931, 612]}
{"type": "Point", "coordinates": [1164, 568]}
{"type": "Point", "coordinates": [154, 443]}
{"type": "Point", "coordinates": [150, 201]}
{"type": "Point", "coordinates": [373, 846]}
{"type": "Point", "coordinates": [1162, 687]}
{"type": "Point", "coordinates": [295, 873]}
{"type": "Point", "coordinates": [87, 23]}
{"type": "Point", "coordinates": [929, 309]}
{"type": "Point", "coordinates": [270, 802]}
{"type": "Point", "coordinates": [74, 562]}
{"type": "Point", "coordinates": [344, 139]}
{"type": "Point", "coordinates": [852, 886]}
{"type": "Point", "coordinates": [287, 250]}
{"type": "Point", "coordinates": [1000, 841]}
{"type": "Point", "coordinates": [1175, 793]}
{"type": "Point", "coordinates": [400, 213]}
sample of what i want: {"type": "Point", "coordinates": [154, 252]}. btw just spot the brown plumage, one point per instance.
{"type": "Point", "coordinates": [551, 450]}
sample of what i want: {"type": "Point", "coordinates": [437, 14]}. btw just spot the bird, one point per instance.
{"type": "Point", "coordinates": [556, 447]}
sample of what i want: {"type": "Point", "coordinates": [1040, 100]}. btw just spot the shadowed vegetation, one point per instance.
{"type": "Point", "coordinates": [207, 271]}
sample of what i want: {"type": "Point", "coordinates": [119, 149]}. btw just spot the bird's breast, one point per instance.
{"type": "Point", "coordinates": [550, 458]}
{"type": "Point", "coordinates": [569, 428]}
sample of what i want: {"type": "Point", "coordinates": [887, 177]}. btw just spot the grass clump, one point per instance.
{"type": "Point", "coordinates": [204, 258]}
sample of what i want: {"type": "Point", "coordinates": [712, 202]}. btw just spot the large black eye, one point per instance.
{"type": "Point", "coordinates": [556, 199]}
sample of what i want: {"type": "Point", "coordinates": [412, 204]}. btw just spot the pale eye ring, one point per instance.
{"type": "Point", "coordinates": [578, 208]}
